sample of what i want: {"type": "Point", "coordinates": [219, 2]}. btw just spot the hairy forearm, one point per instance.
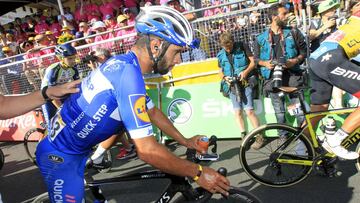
{"type": "Point", "coordinates": [158, 118]}
{"type": "Point", "coordinates": [11, 106]}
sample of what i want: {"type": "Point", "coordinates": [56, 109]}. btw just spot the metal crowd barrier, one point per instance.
{"type": "Point", "coordinates": [23, 76]}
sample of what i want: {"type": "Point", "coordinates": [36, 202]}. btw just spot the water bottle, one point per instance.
{"type": "Point", "coordinates": [203, 142]}
{"type": "Point", "coordinates": [330, 126]}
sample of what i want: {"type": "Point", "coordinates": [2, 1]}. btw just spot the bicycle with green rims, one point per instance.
{"type": "Point", "coordinates": [284, 162]}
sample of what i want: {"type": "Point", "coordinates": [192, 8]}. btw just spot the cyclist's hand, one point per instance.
{"type": "Point", "coordinates": [61, 91]}
{"type": "Point", "coordinates": [213, 182]}
{"type": "Point", "coordinates": [192, 143]}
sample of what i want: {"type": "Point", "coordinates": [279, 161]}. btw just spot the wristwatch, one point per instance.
{"type": "Point", "coordinates": [43, 93]}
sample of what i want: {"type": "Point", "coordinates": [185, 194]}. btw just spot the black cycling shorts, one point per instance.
{"type": "Point", "coordinates": [333, 68]}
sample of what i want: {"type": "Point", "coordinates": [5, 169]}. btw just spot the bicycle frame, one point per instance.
{"type": "Point", "coordinates": [352, 139]}
{"type": "Point", "coordinates": [178, 184]}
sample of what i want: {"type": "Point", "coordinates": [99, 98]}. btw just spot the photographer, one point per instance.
{"type": "Point", "coordinates": [321, 28]}
{"type": "Point", "coordinates": [95, 58]}
{"type": "Point", "coordinates": [283, 48]}
{"type": "Point", "coordinates": [236, 65]}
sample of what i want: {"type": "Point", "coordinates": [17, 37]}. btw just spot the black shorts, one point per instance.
{"type": "Point", "coordinates": [333, 68]}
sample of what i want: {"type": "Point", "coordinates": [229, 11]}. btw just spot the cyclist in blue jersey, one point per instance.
{"type": "Point", "coordinates": [59, 73]}
{"type": "Point", "coordinates": [113, 97]}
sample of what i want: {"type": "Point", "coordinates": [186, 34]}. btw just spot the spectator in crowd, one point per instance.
{"type": "Point", "coordinates": [51, 38]}
{"type": "Point", "coordinates": [31, 67]}
{"type": "Point", "coordinates": [286, 46]}
{"type": "Point", "coordinates": [117, 5]}
{"type": "Point", "coordinates": [208, 12]}
{"type": "Point", "coordinates": [133, 6]}
{"type": "Point", "coordinates": [67, 19]}
{"type": "Point", "coordinates": [297, 10]}
{"type": "Point", "coordinates": [106, 8]}
{"type": "Point", "coordinates": [235, 60]}
{"type": "Point", "coordinates": [11, 42]}
{"type": "Point", "coordinates": [100, 27]}
{"type": "Point", "coordinates": [41, 27]}
{"type": "Point", "coordinates": [110, 22]}
{"type": "Point", "coordinates": [125, 44]}
{"type": "Point", "coordinates": [55, 26]}
{"type": "Point", "coordinates": [130, 17]}
{"type": "Point", "coordinates": [30, 28]}
{"type": "Point", "coordinates": [92, 10]}
{"type": "Point", "coordinates": [177, 6]}
{"type": "Point", "coordinates": [84, 28]}
{"type": "Point", "coordinates": [321, 28]}
{"type": "Point", "coordinates": [20, 35]}
{"type": "Point", "coordinates": [14, 82]}
{"type": "Point", "coordinates": [59, 73]}
{"type": "Point", "coordinates": [80, 14]}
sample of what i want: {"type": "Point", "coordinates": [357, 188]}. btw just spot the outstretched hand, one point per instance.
{"type": "Point", "coordinates": [61, 91]}
{"type": "Point", "coordinates": [214, 182]}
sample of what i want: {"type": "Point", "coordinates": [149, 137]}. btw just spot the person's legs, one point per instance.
{"type": "Point", "coordinates": [248, 107]}
{"type": "Point", "coordinates": [342, 73]}
{"type": "Point", "coordinates": [237, 106]}
{"type": "Point", "coordinates": [97, 157]}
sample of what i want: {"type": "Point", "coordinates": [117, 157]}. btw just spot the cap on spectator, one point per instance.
{"type": "Point", "coordinates": [6, 49]}
{"type": "Point", "coordinates": [65, 28]}
{"type": "Point", "coordinates": [48, 33]}
{"type": "Point", "coordinates": [98, 24]}
{"type": "Point", "coordinates": [31, 39]}
{"type": "Point", "coordinates": [108, 16]}
{"type": "Point", "coordinates": [121, 18]}
{"type": "Point", "coordinates": [9, 35]}
{"type": "Point", "coordinates": [327, 5]}
{"type": "Point", "coordinates": [79, 35]}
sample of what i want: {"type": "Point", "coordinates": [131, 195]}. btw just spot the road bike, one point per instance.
{"type": "Point", "coordinates": [282, 163]}
{"type": "Point", "coordinates": [177, 184]}
{"type": "Point", "coordinates": [35, 135]}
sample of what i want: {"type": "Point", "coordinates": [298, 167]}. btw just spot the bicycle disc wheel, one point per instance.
{"type": "Point", "coordinates": [262, 164]}
{"type": "Point", "coordinates": [2, 159]}
{"type": "Point", "coordinates": [31, 140]}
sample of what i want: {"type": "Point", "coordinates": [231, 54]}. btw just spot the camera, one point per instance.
{"type": "Point", "coordinates": [89, 57]}
{"type": "Point", "coordinates": [278, 72]}
{"type": "Point", "coordinates": [236, 87]}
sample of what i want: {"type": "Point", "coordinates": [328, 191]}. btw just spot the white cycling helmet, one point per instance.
{"type": "Point", "coordinates": [166, 23]}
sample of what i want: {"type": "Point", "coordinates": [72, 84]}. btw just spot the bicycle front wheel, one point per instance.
{"type": "Point", "coordinates": [281, 161]}
{"type": "Point", "coordinates": [31, 140]}
{"type": "Point", "coordinates": [2, 159]}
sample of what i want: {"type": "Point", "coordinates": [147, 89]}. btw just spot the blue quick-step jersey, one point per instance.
{"type": "Point", "coordinates": [56, 75]}
{"type": "Point", "coordinates": [111, 98]}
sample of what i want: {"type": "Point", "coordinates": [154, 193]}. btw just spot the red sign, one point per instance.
{"type": "Point", "coordinates": [14, 129]}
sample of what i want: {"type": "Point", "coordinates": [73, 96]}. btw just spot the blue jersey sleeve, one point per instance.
{"type": "Point", "coordinates": [130, 94]}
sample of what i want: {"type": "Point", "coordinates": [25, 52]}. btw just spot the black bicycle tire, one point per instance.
{"type": "Point", "coordinates": [44, 197]}
{"type": "Point", "coordinates": [247, 140]}
{"type": "Point", "coordinates": [242, 195]}
{"type": "Point", "coordinates": [2, 159]}
{"type": "Point", "coordinates": [357, 164]}
{"type": "Point", "coordinates": [31, 157]}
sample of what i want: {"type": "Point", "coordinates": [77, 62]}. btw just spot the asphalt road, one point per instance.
{"type": "Point", "coordinates": [20, 180]}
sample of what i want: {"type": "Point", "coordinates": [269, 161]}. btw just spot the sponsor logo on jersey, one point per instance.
{"type": "Point", "coordinates": [55, 158]}
{"type": "Point", "coordinates": [138, 105]}
{"type": "Point", "coordinates": [58, 190]}
{"type": "Point", "coordinates": [353, 42]}
{"type": "Point", "coordinates": [179, 111]}
{"type": "Point", "coordinates": [346, 73]}
{"type": "Point", "coordinates": [337, 36]}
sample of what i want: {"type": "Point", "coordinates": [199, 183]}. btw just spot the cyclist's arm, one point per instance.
{"type": "Point", "coordinates": [158, 156]}
{"type": "Point", "coordinates": [159, 119]}
{"type": "Point", "coordinates": [11, 106]}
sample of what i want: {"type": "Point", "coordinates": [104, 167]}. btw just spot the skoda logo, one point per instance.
{"type": "Point", "coordinates": [179, 111]}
